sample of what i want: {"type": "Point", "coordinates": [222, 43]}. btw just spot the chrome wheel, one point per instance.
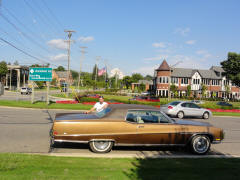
{"type": "Point", "coordinates": [200, 144]}
{"type": "Point", "coordinates": [180, 115]}
{"type": "Point", "coordinates": [101, 146]}
{"type": "Point", "coordinates": [206, 115]}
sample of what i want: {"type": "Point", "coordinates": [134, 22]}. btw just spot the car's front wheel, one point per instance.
{"type": "Point", "coordinates": [200, 144]}
{"type": "Point", "coordinates": [101, 146]}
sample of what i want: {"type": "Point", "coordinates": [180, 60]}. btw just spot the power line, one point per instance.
{"type": "Point", "coordinates": [40, 16]}
{"type": "Point", "coordinates": [56, 19]}
{"type": "Point", "coordinates": [23, 25]}
{"type": "Point", "coordinates": [25, 35]}
{"type": "Point", "coordinates": [24, 52]}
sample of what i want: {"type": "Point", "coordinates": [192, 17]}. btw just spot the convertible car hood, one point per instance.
{"type": "Point", "coordinates": [194, 123]}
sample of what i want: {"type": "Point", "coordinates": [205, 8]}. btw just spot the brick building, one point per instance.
{"type": "Point", "coordinates": [216, 83]}
{"type": "Point", "coordinates": [61, 77]}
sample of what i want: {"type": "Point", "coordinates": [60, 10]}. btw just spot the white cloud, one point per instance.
{"type": "Point", "coordinates": [182, 31]}
{"type": "Point", "coordinates": [58, 44]}
{"type": "Point", "coordinates": [159, 57]}
{"type": "Point", "coordinates": [205, 54]}
{"type": "Point", "coordinates": [190, 42]}
{"type": "Point", "coordinates": [159, 45]}
{"type": "Point", "coordinates": [146, 70]}
{"type": "Point", "coordinates": [86, 39]}
{"type": "Point", "coordinates": [59, 57]}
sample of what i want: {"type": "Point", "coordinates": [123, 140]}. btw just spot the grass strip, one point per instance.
{"type": "Point", "coordinates": [43, 105]}
{"type": "Point", "coordinates": [21, 167]}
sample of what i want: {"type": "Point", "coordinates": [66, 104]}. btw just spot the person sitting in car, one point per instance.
{"type": "Point", "coordinates": [99, 106]}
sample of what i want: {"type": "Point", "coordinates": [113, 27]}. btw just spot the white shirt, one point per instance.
{"type": "Point", "coordinates": [99, 107]}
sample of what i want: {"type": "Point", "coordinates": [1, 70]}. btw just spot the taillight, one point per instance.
{"type": "Point", "coordinates": [170, 107]}
{"type": "Point", "coordinates": [55, 132]}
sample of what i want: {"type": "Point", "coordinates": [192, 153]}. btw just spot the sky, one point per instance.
{"type": "Point", "coordinates": [132, 35]}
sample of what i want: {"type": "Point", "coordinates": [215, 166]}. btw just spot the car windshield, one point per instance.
{"type": "Point", "coordinates": [174, 103]}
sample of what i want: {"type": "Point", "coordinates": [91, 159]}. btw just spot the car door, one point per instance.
{"type": "Point", "coordinates": [185, 107]}
{"type": "Point", "coordinates": [196, 110]}
{"type": "Point", "coordinates": [156, 128]}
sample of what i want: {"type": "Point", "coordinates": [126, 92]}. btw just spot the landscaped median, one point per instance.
{"type": "Point", "coordinates": [20, 166]}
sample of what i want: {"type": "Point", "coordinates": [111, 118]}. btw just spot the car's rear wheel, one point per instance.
{"type": "Point", "coordinates": [205, 115]}
{"type": "Point", "coordinates": [200, 144]}
{"type": "Point", "coordinates": [101, 146]}
{"type": "Point", "coordinates": [180, 114]}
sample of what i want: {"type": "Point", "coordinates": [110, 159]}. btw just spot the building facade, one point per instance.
{"type": "Point", "coordinates": [213, 79]}
{"type": "Point", "coordinates": [61, 77]}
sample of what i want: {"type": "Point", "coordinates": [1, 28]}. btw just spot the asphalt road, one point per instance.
{"type": "Point", "coordinates": [39, 95]}
{"type": "Point", "coordinates": [27, 131]}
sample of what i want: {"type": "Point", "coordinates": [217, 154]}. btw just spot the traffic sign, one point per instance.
{"type": "Point", "coordinates": [40, 74]}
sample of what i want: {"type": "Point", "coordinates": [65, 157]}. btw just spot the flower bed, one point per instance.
{"type": "Point", "coordinates": [67, 102]}
{"type": "Point", "coordinates": [92, 103]}
{"type": "Point", "coordinates": [225, 110]}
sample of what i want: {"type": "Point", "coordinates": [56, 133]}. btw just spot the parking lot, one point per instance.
{"type": "Point", "coordinates": [27, 131]}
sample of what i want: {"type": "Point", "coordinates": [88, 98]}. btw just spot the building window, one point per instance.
{"type": "Point", "coordinates": [215, 82]}
{"type": "Point", "coordinates": [163, 80]}
{"type": "Point", "coordinates": [184, 81]}
{"type": "Point", "coordinates": [174, 80]}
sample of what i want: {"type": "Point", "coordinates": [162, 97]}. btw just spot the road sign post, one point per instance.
{"type": "Point", "coordinates": [40, 74]}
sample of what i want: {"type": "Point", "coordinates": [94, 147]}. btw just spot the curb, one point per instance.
{"type": "Point", "coordinates": [139, 156]}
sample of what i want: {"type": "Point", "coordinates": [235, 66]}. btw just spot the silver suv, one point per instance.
{"type": "Point", "coordinates": [26, 90]}
{"type": "Point", "coordinates": [183, 109]}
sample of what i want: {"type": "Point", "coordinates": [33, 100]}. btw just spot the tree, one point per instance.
{"type": "Point", "coordinates": [74, 74]}
{"type": "Point", "coordinates": [60, 68]}
{"type": "Point", "coordinates": [173, 88]}
{"type": "Point", "coordinates": [54, 82]}
{"type": "Point", "coordinates": [142, 87]}
{"type": "Point", "coordinates": [136, 77]}
{"type": "Point", "coordinates": [94, 72]}
{"type": "Point", "coordinates": [231, 67]}
{"type": "Point", "coordinates": [127, 80]}
{"type": "Point", "coordinates": [204, 90]}
{"type": "Point", "coordinates": [148, 77]}
{"type": "Point", "coordinates": [227, 89]}
{"type": "Point", "coordinates": [188, 90]}
{"type": "Point", "coordinates": [3, 70]}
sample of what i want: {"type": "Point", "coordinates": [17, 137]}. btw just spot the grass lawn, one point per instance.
{"type": "Point", "coordinates": [21, 167]}
{"type": "Point", "coordinates": [226, 114]}
{"type": "Point", "coordinates": [42, 105]}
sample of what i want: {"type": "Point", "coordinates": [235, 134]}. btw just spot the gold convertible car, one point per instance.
{"type": "Point", "coordinates": [133, 125]}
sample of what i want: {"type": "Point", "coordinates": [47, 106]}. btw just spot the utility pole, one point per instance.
{"type": "Point", "coordinates": [81, 61]}
{"type": "Point", "coordinates": [96, 70]}
{"type": "Point", "coordinates": [69, 44]}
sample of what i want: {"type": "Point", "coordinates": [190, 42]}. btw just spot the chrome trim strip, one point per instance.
{"type": "Point", "coordinates": [216, 142]}
{"type": "Point", "coordinates": [126, 144]}
{"type": "Point", "coordinates": [73, 141]}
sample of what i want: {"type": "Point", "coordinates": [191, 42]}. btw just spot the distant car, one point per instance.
{"type": "Point", "coordinates": [222, 103]}
{"type": "Point", "coordinates": [145, 93]}
{"type": "Point", "coordinates": [26, 90]}
{"type": "Point", "coordinates": [145, 98]}
{"type": "Point", "coordinates": [197, 102]}
{"type": "Point", "coordinates": [183, 109]}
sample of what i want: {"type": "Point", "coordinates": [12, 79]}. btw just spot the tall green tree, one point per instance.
{"type": "Point", "coordinates": [3, 70]}
{"type": "Point", "coordinates": [204, 89]}
{"type": "Point", "coordinates": [188, 90]}
{"type": "Point", "coordinates": [148, 77]}
{"type": "Point", "coordinates": [173, 88]}
{"type": "Point", "coordinates": [231, 67]}
{"type": "Point", "coordinates": [127, 80]}
{"type": "Point", "coordinates": [94, 72]}
{"type": "Point", "coordinates": [60, 68]}
{"type": "Point", "coordinates": [136, 77]}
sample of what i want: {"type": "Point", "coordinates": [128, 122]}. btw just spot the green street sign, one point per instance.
{"type": "Point", "coordinates": [40, 74]}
